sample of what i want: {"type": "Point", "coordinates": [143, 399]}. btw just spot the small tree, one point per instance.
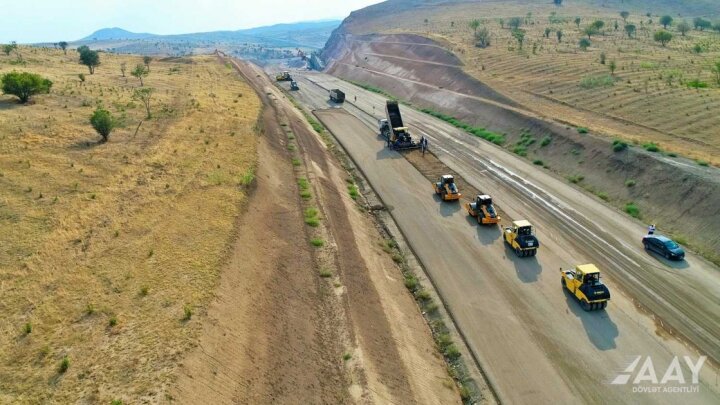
{"type": "Point", "coordinates": [683, 27]}
{"type": "Point", "coordinates": [716, 69]}
{"type": "Point", "coordinates": [90, 58]}
{"type": "Point", "coordinates": [25, 85]}
{"type": "Point", "coordinates": [482, 38]}
{"type": "Point", "coordinates": [701, 23]}
{"type": "Point", "coordinates": [63, 45]}
{"type": "Point", "coordinates": [666, 20]}
{"type": "Point", "coordinates": [144, 95]}
{"type": "Point", "coordinates": [578, 20]}
{"type": "Point", "coordinates": [81, 76]}
{"type": "Point", "coordinates": [474, 25]}
{"type": "Point", "coordinates": [584, 44]}
{"type": "Point", "coordinates": [598, 24]}
{"type": "Point", "coordinates": [613, 67]}
{"type": "Point", "coordinates": [519, 36]}
{"type": "Point", "coordinates": [590, 30]}
{"type": "Point", "coordinates": [103, 122]}
{"type": "Point", "coordinates": [548, 31]}
{"type": "Point", "coordinates": [140, 71]}
{"type": "Point", "coordinates": [559, 35]}
{"type": "Point", "coordinates": [624, 15]}
{"type": "Point", "coordinates": [146, 61]}
{"type": "Point", "coordinates": [663, 37]}
{"type": "Point", "coordinates": [123, 68]}
{"type": "Point", "coordinates": [515, 23]}
{"type": "Point", "coordinates": [630, 29]}
{"type": "Point", "coordinates": [602, 58]}
{"type": "Point", "coordinates": [616, 25]}
{"type": "Point", "coordinates": [502, 22]}
{"type": "Point", "coordinates": [8, 48]}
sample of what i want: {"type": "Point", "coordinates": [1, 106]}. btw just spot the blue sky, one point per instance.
{"type": "Point", "coordinates": [27, 21]}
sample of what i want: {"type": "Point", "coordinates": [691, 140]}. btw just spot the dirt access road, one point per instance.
{"type": "Point", "coordinates": [294, 323]}
{"type": "Point", "coordinates": [532, 339]}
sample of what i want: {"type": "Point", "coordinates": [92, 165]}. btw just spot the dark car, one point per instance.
{"type": "Point", "coordinates": [663, 246]}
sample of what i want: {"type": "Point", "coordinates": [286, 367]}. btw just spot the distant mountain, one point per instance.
{"type": "Point", "coordinates": [110, 34]}
{"type": "Point", "coordinates": [302, 34]}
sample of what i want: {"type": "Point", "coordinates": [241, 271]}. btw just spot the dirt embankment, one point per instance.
{"type": "Point", "coordinates": [297, 323]}
{"type": "Point", "coordinates": [677, 195]}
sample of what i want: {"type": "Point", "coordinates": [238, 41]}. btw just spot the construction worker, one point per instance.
{"type": "Point", "coordinates": [651, 229]}
{"type": "Point", "coordinates": [424, 145]}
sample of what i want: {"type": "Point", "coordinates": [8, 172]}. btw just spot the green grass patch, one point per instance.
{"type": "Point", "coordinates": [475, 131]}
{"type": "Point", "coordinates": [317, 242]}
{"type": "Point", "coordinates": [593, 82]}
{"type": "Point", "coordinates": [697, 84]}
{"type": "Point", "coordinates": [575, 179]}
{"type": "Point", "coordinates": [325, 273]}
{"type": "Point", "coordinates": [353, 191]}
{"type": "Point", "coordinates": [520, 150]}
{"type": "Point", "coordinates": [603, 195]}
{"type": "Point", "coordinates": [648, 65]}
{"type": "Point", "coordinates": [305, 195]}
{"type": "Point", "coordinates": [545, 141]}
{"type": "Point", "coordinates": [303, 183]}
{"type": "Point", "coordinates": [630, 183]}
{"type": "Point", "coordinates": [374, 90]}
{"type": "Point", "coordinates": [296, 162]}
{"type": "Point", "coordinates": [632, 209]}
{"type": "Point", "coordinates": [582, 130]}
{"type": "Point", "coordinates": [538, 162]}
{"type": "Point", "coordinates": [247, 178]}
{"type": "Point", "coordinates": [703, 163]}
{"type": "Point", "coordinates": [311, 217]}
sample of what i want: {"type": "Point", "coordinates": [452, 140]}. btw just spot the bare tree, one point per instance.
{"type": "Point", "coordinates": [123, 68]}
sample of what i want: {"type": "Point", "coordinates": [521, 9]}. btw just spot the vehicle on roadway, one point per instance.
{"type": "Point", "coordinates": [294, 85]}
{"type": "Point", "coordinates": [584, 283]}
{"type": "Point", "coordinates": [396, 134]}
{"type": "Point", "coordinates": [337, 96]}
{"type": "Point", "coordinates": [283, 77]}
{"type": "Point", "coordinates": [483, 210]}
{"type": "Point", "coordinates": [663, 246]}
{"type": "Point", "coordinates": [521, 238]}
{"type": "Point", "coordinates": [446, 188]}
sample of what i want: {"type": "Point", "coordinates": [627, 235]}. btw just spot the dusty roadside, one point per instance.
{"type": "Point", "coordinates": [293, 323]}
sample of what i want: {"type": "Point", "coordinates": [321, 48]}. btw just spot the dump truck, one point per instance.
{"type": "Point", "coordinates": [483, 210]}
{"type": "Point", "coordinates": [521, 238]}
{"type": "Point", "coordinates": [294, 85]}
{"type": "Point", "coordinates": [283, 77]}
{"type": "Point", "coordinates": [584, 284]}
{"type": "Point", "coordinates": [446, 188]}
{"type": "Point", "coordinates": [337, 96]}
{"type": "Point", "coordinates": [397, 136]}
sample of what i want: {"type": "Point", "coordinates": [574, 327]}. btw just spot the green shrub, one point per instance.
{"type": "Point", "coordinates": [520, 150]}
{"type": "Point", "coordinates": [630, 183]}
{"type": "Point", "coordinates": [702, 163]}
{"type": "Point", "coordinates": [27, 329]}
{"type": "Point", "coordinates": [112, 321]}
{"type": "Point", "coordinates": [187, 313]}
{"type": "Point", "coordinates": [64, 365]}
{"type": "Point", "coordinates": [603, 195]}
{"type": "Point", "coordinates": [545, 141]}
{"type": "Point", "coordinates": [317, 242]}
{"type": "Point", "coordinates": [582, 130]}
{"type": "Point", "coordinates": [353, 190]}
{"type": "Point", "coordinates": [538, 162]}
{"type": "Point", "coordinates": [411, 282]}
{"type": "Point", "coordinates": [296, 162]}
{"type": "Point", "coordinates": [619, 145]}
{"type": "Point", "coordinates": [651, 147]}
{"type": "Point", "coordinates": [632, 209]}
{"type": "Point", "coordinates": [24, 85]}
{"type": "Point", "coordinates": [475, 131]}
{"type": "Point", "coordinates": [325, 273]}
{"type": "Point", "coordinates": [311, 217]}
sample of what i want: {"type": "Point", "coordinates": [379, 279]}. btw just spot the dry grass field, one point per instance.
{"type": "Point", "coordinates": [108, 250]}
{"type": "Point", "coordinates": [647, 99]}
